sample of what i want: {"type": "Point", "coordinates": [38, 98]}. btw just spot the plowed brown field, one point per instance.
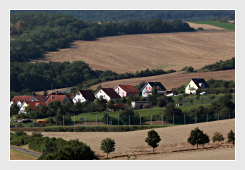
{"type": "Point", "coordinates": [129, 53]}
{"type": "Point", "coordinates": [172, 146]}
{"type": "Point", "coordinates": [172, 80]}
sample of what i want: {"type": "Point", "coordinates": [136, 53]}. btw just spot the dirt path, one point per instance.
{"type": "Point", "coordinates": [25, 151]}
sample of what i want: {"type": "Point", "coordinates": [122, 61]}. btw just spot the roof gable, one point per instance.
{"type": "Point", "coordinates": [40, 97]}
{"type": "Point", "coordinates": [129, 89]}
{"type": "Point", "coordinates": [34, 104]}
{"type": "Point", "coordinates": [159, 86]}
{"type": "Point", "coordinates": [87, 94]}
{"type": "Point", "coordinates": [59, 98]}
{"type": "Point", "coordinates": [200, 80]}
{"type": "Point", "coordinates": [22, 98]}
{"type": "Point", "coordinates": [111, 93]}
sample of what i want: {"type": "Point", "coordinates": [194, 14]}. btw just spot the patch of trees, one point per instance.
{"type": "Point", "coordinates": [34, 33]}
{"type": "Point", "coordinates": [221, 65]}
{"type": "Point", "coordinates": [29, 77]}
{"type": "Point", "coordinates": [223, 108]}
{"type": "Point", "coordinates": [123, 15]}
{"type": "Point", "coordinates": [53, 148]}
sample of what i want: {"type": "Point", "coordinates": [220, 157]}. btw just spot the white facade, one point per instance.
{"type": "Point", "coordinates": [18, 103]}
{"type": "Point", "coordinates": [78, 98]}
{"type": "Point", "coordinates": [147, 90]}
{"type": "Point", "coordinates": [102, 94]}
{"type": "Point", "coordinates": [22, 108]}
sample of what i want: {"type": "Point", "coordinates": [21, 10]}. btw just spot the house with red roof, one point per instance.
{"type": "Point", "coordinates": [83, 95]}
{"type": "Point", "coordinates": [107, 94]}
{"type": "Point", "coordinates": [20, 99]}
{"type": "Point", "coordinates": [33, 105]}
{"type": "Point", "coordinates": [40, 97]}
{"type": "Point", "coordinates": [57, 97]}
{"type": "Point", "coordinates": [126, 90]}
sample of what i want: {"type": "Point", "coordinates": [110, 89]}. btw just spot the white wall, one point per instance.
{"type": "Point", "coordinates": [103, 94]}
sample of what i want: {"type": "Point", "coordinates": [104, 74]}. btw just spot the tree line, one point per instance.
{"type": "Point", "coordinates": [123, 15]}
{"type": "Point", "coordinates": [28, 77]}
{"type": "Point", "coordinates": [34, 33]}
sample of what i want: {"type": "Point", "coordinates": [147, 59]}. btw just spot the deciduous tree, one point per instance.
{"type": "Point", "coordinates": [197, 137]}
{"type": "Point", "coordinates": [107, 146]}
{"type": "Point", "coordinates": [218, 137]}
{"type": "Point", "coordinates": [153, 139]}
{"type": "Point", "coordinates": [231, 137]}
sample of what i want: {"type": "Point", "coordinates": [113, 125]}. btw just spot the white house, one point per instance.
{"type": "Point", "coordinates": [195, 84]}
{"type": "Point", "coordinates": [33, 105]}
{"type": "Point", "coordinates": [126, 90]}
{"type": "Point", "coordinates": [147, 89]}
{"type": "Point", "coordinates": [83, 95]}
{"type": "Point", "coordinates": [20, 99]}
{"type": "Point", "coordinates": [107, 94]}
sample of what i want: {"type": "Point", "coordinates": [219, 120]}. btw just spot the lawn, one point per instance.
{"type": "Point", "coordinates": [228, 26]}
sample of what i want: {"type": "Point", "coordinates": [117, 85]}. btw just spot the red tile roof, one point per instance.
{"type": "Point", "coordinates": [21, 98]}
{"type": "Point", "coordinates": [40, 97]}
{"type": "Point", "coordinates": [129, 89]}
{"type": "Point", "coordinates": [34, 104]}
{"type": "Point", "coordinates": [52, 98]}
{"type": "Point", "coordinates": [111, 93]}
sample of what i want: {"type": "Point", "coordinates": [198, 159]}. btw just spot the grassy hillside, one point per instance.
{"type": "Point", "coordinates": [228, 26]}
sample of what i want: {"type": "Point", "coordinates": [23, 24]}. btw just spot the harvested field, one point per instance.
{"type": "Point", "coordinates": [173, 80]}
{"type": "Point", "coordinates": [169, 81]}
{"type": "Point", "coordinates": [173, 145]}
{"type": "Point", "coordinates": [129, 53]}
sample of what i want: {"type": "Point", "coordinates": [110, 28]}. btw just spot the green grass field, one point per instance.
{"type": "Point", "coordinates": [228, 26]}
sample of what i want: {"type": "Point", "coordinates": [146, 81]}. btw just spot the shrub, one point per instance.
{"type": "Point", "coordinates": [19, 138]}
{"type": "Point", "coordinates": [146, 106]}
{"type": "Point", "coordinates": [218, 137]}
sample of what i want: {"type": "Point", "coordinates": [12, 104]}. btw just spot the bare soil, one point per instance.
{"type": "Point", "coordinates": [131, 53]}
{"type": "Point", "coordinates": [173, 145]}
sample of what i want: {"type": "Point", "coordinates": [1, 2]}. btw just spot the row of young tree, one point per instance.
{"type": "Point", "coordinates": [35, 33]}
{"type": "Point", "coordinates": [59, 149]}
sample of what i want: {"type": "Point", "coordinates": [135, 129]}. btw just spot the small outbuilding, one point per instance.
{"type": "Point", "coordinates": [140, 104]}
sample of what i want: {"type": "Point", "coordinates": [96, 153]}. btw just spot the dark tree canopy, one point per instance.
{"type": "Point", "coordinates": [197, 137]}
{"type": "Point", "coordinates": [153, 139]}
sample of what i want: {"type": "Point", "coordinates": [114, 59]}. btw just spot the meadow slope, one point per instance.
{"type": "Point", "coordinates": [129, 53]}
{"type": "Point", "coordinates": [174, 139]}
